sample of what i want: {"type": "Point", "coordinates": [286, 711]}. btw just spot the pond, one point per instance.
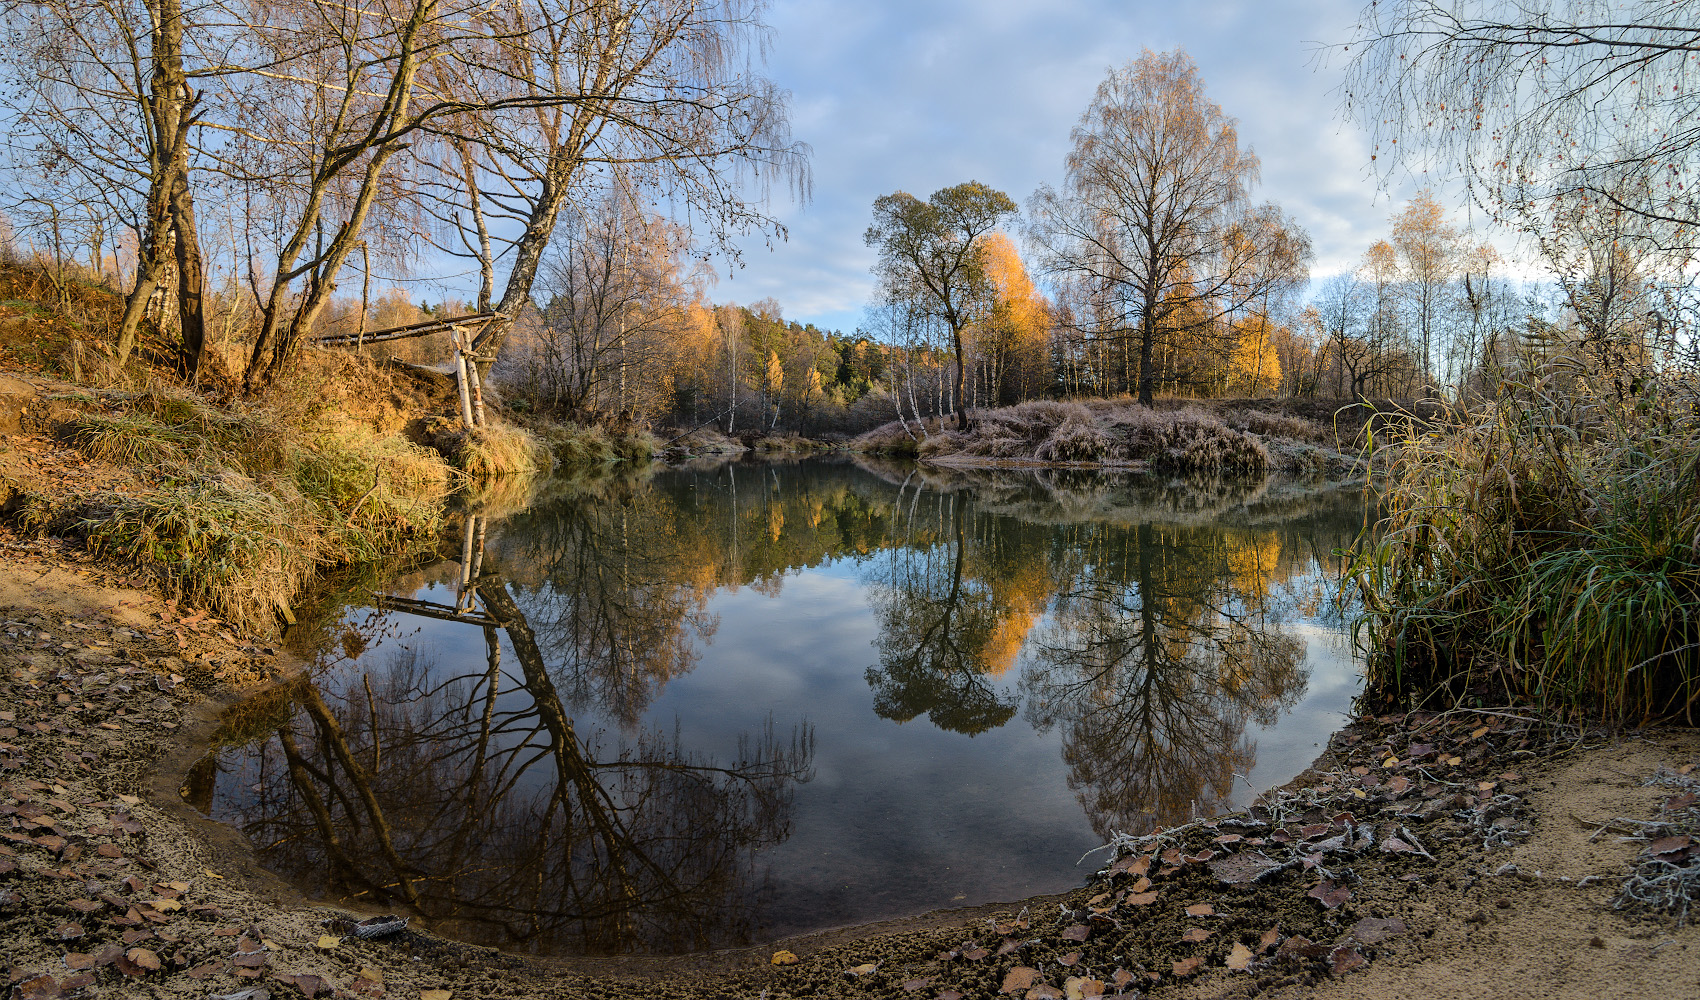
{"type": "Point", "coordinates": [727, 703]}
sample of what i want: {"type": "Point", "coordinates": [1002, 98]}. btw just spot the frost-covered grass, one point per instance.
{"type": "Point", "coordinates": [1103, 432]}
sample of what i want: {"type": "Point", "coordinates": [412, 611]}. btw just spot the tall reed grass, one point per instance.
{"type": "Point", "coordinates": [1545, 548]}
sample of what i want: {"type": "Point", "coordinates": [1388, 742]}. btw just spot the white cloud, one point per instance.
{"type": "Point", "coordinates": [911, 96]}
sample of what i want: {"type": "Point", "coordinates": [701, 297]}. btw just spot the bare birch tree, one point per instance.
{"type": "Point", "coordinates": [1153, 217]}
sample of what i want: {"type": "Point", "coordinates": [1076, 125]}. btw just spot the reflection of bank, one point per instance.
{"type": "Point", "coordinates": [469, 797]}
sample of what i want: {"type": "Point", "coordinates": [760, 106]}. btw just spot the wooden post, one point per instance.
{"type": "Point", "coordinates": [461, 381]}
{"type": "Point", "coordinates": [476, 384]}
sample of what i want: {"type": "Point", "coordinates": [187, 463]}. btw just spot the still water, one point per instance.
{"type": "Point", "coordinates": [731, 702]}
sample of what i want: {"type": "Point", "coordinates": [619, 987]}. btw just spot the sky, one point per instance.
{"type": "Point", "coordinates": [923, 94]}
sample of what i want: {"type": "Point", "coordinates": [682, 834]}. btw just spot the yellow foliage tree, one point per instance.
{"type": "Point", "coordinates": [1011, 339]}
{"type": "Point", "coordinates": [1254, 368]}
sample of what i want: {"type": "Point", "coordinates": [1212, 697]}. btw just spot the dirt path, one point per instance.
{"type": "Point", "coordinates": [1461, 855]}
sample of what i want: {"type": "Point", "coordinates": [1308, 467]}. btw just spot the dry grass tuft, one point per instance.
{"type": "Point", "coordinates": [1545, 548]}
{"type": "Point", "coordinates": [496, 450]}
{"type": "Point", "coordinates": [886, 439]}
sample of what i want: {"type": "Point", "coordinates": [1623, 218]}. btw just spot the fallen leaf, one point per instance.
{"type": "Point", "coordinates": [129, 800]}
{"type": "Point", "coordinates": [784, 958]}
{"type": "Point", "coordinates": [1453, 761]}
{"type": "Point", "coordinates": [1142, 899]}
{"type": "Point", "coordinates": [1201, 910]}
{"type": "Point", "coordinates": [1668, 845]}
{"type": "Point", "coordinates": [1374, 930]}
{"type": "Point", "coordinates": [1069, 959]}
{"type": "Point", "coordinates": [1330, 895]}
{"type": "Point", "coordinates": [209, 873]}
{"type": "Point", "coordinates": [1082, 988]}
{"type": "Point", "coordinates": [309, 984]}
{"type": "Point", "coordinates": [1188, 966]}
{"type": "Point", "coordinates": [1240, 958]}
{"type": "Point", "coordinates": [68, 932]}
{"type": "Point", "coordinates": [1134, 864]}
{"type": "Point", "coordinates": [1345, 959]}
{"type": "Point", "coordinates": [1243, 868]}
{"type": "Point", "coordinates": [1390, 762]}
{"type": "Point", "coordinates": [1195, 935]}
{"type": "Point", "coordinates": [865, 969]}
{"type": "Point", "coordinates": [327, 942]}
{"type": "Point", "coordinates": [163, 905]}
{"type": "Point", "coordinates": [435, 995]}
{"type": "Point", "coordinates": [37, 988]}
{"type": "Point", "coordinates": [143, 958]}
{"type": "Point", "coordinates": [1479, 733]}
{"type": "Point", "coordinates": [975, 954]}
{"type": "Point", "coordinates": [1043, 991]}
{"type": "Point", "coordinates": [1078, 932]}
{"type": "Point", "coordinates": [916, 985]}
{"type": "Point", "coordinates": [1019, 978]}
{"type": "Point", "coordinates": [1271, 937]}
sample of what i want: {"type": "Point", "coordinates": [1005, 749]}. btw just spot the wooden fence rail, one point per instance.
{"type": "Point", "coordinates": [424, 328]}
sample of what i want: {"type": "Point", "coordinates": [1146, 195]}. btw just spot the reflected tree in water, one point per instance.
{"type": "Point", "coordinates": [616, 594]}
{"type": "Point", "coordinates": [1158, 657]}
{"type": "Point", "coordinates": [937, 629]}
{"type": "Point", "coordinates": [471, 798]}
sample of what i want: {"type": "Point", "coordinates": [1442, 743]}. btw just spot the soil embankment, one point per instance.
{"type": "Point", "coordinates": [1466, 854]}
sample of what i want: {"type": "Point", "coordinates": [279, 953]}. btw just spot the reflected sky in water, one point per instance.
{"type": "Point", "coordinates": [731, 702]}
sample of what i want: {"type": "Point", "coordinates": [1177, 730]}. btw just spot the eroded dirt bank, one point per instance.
{"type": "Point", "coordinates": [1467, 854]}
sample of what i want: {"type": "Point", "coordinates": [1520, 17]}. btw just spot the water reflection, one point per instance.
{"type": "Point", "coordinates": [1161, 651]}
{"type": "Point", "coordinates": [937, 630]}
{"type": "Point", "coordinates": [494, 744]}
{"type": "Point", "coordinates": [487, 811]}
